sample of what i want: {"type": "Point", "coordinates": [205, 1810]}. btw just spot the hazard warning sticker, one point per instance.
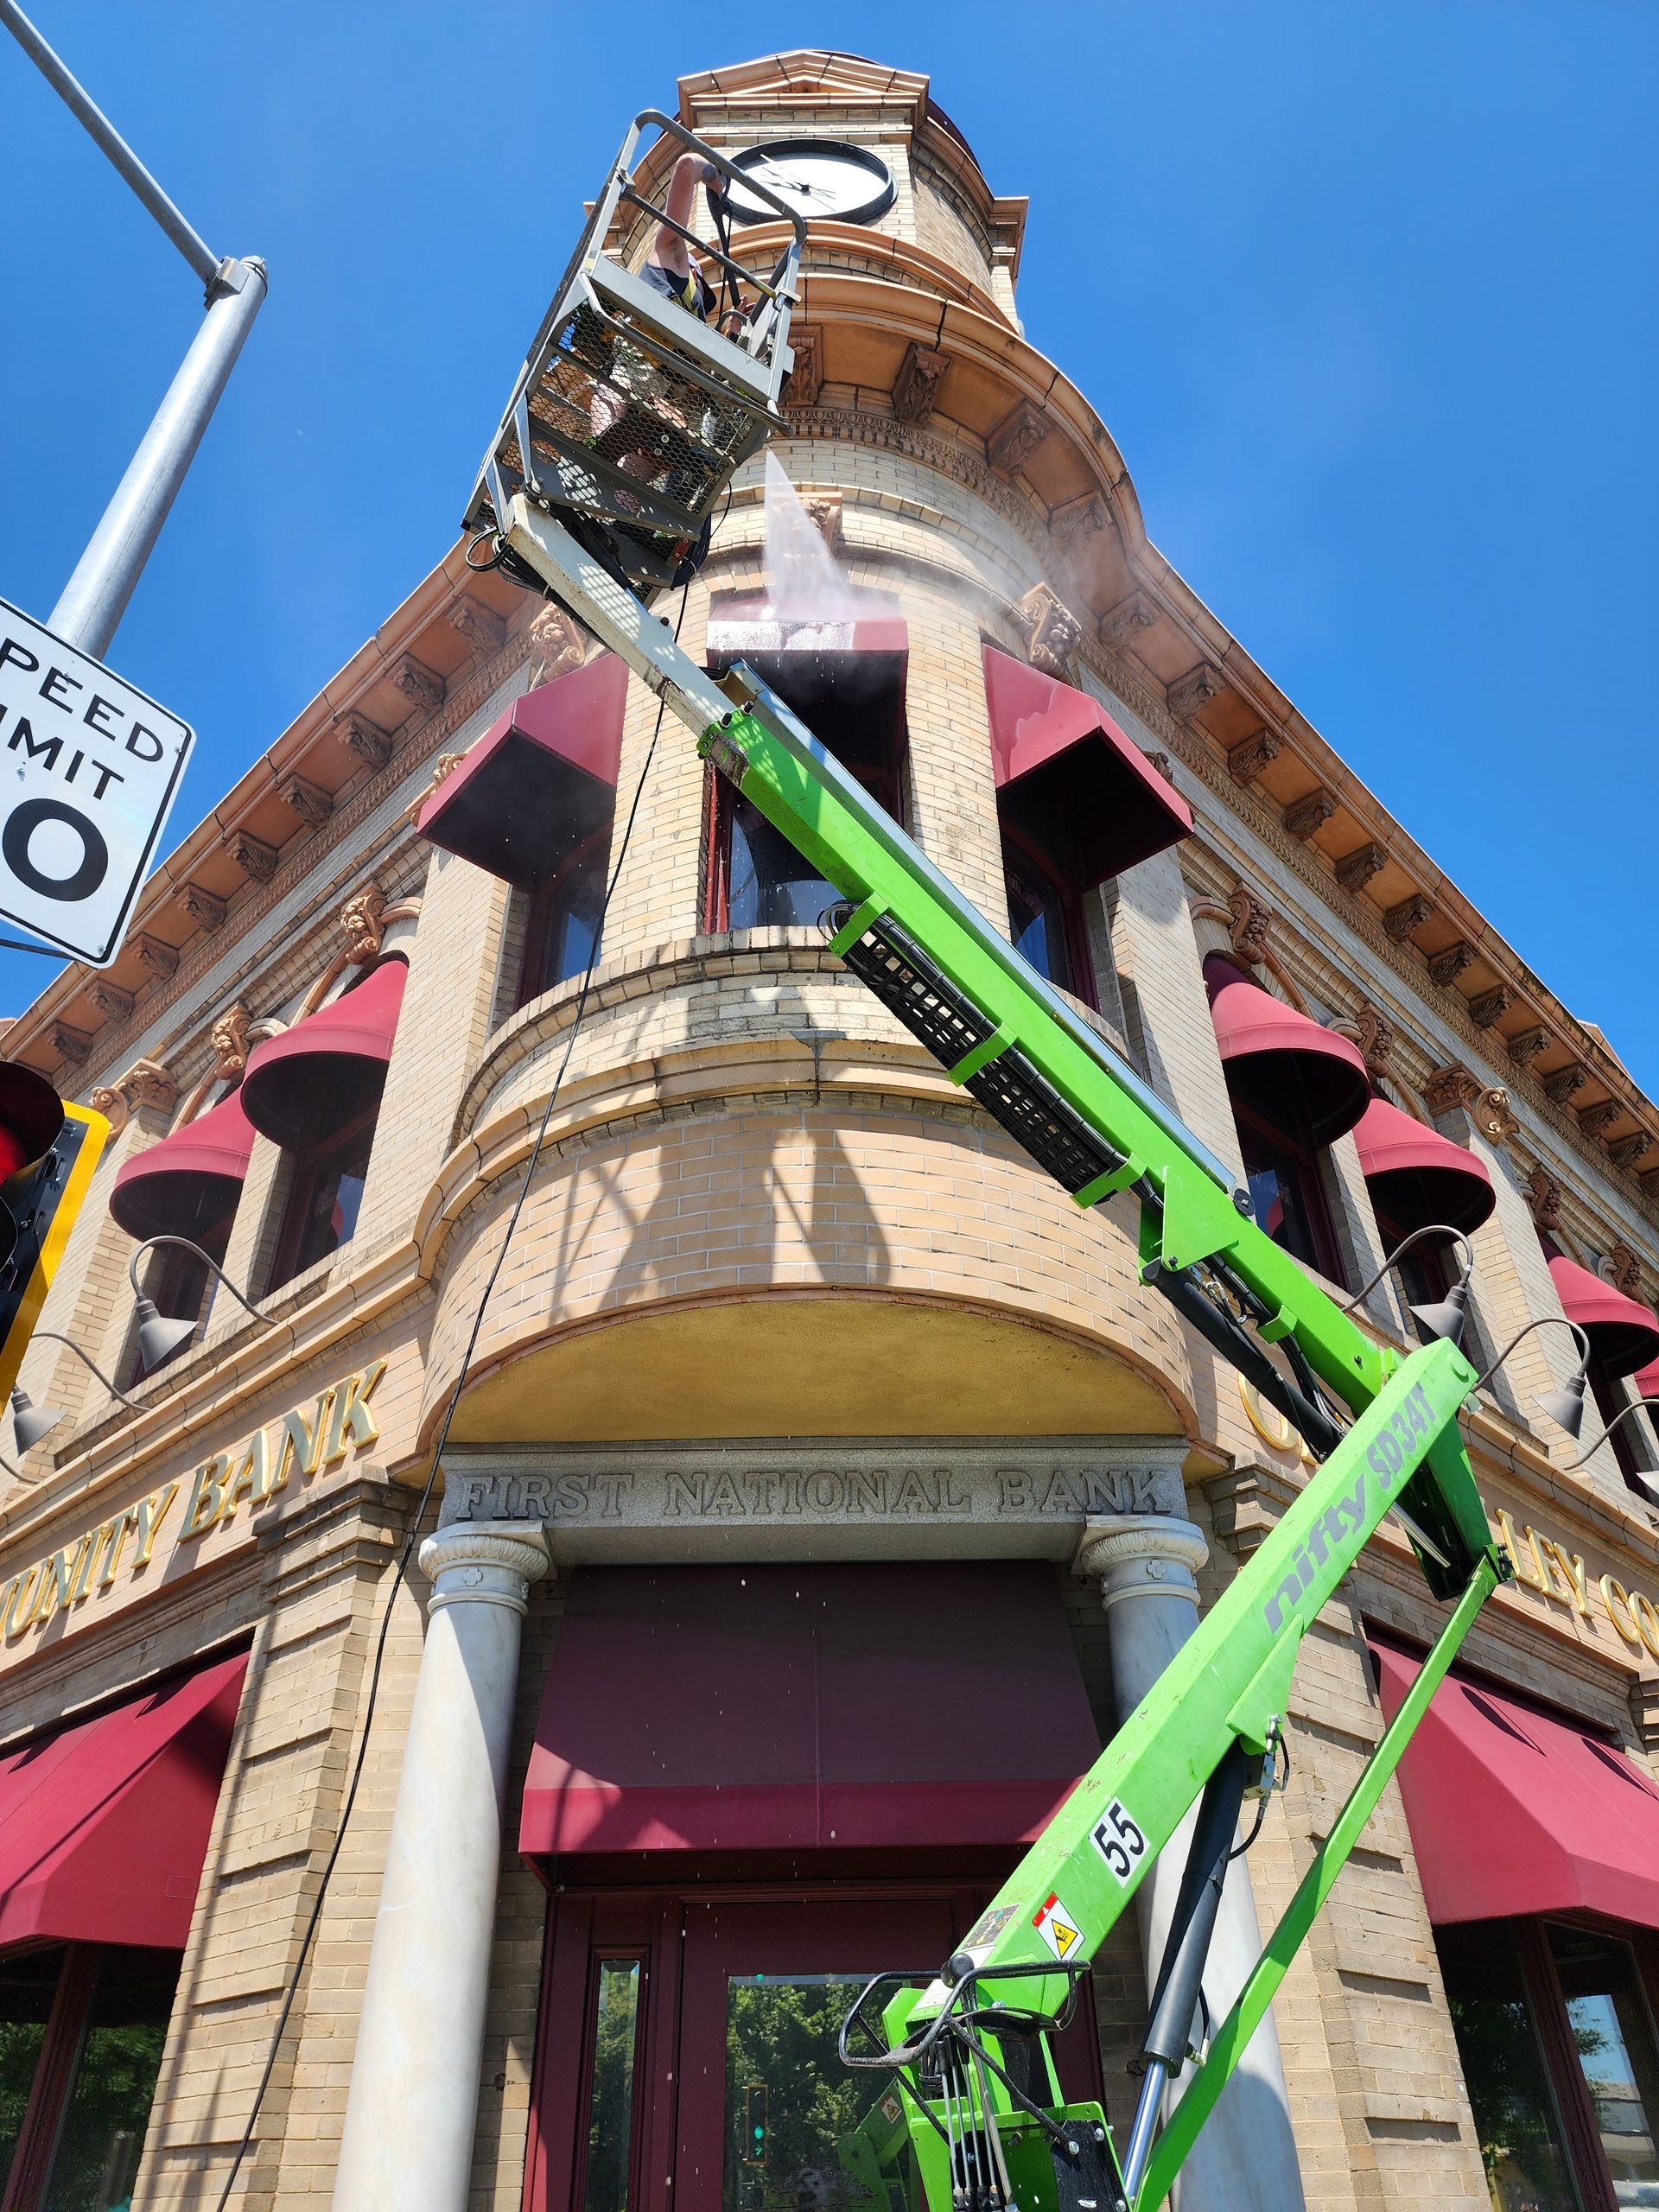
{"type": "Point", "coordinates": [985, 1931]}
{"type": "Point", "coordinates": [1056, 1927]}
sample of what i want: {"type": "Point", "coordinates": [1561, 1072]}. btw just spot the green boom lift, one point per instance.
{"type": "Point", "coordinates": [971, 2107]}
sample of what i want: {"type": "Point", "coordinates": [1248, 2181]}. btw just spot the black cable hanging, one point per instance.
{"type": "Point", "coordinates": [400, 1572]}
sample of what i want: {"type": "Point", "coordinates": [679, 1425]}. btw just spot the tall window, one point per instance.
{"type": "Point", "coordinates": [1045, 918]}
{"type": "Point", "coordinates": [563, 917]}
{"type": "Point", "coordinates": [325, 1194]}
{"type": "Point", "coordinates": [81, 2031]}
{"type": "Point", "coordinates": [854, 704]}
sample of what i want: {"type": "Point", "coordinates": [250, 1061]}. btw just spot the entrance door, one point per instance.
{"type": "Point", "coordinates": [763, 2096]}
{"type": "Point", "coordinates": [675, 2026]}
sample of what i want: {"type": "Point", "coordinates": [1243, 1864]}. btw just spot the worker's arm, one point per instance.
{"type": "Point", "coordinates": [669, 250]}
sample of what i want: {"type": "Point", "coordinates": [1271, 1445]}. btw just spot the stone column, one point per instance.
{"type": "Point", "coordinates": [1245, 2157]}
{"type": "Point", "coordinates": [412, 2107]}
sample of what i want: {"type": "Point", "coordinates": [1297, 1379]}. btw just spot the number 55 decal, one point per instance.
{"type": "Point", "coordinates": [1118, 1840]}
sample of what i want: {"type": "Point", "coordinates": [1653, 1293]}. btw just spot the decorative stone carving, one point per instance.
{"type": "Point", "coordinates": [71, 1044]}
{"type": "Point", "coordinates": [1143, 1554]}
{"type": "Point", "coordinates": [1356, 869]}
{"type": "Point", "coordinates": [256, 859]}
{"type": "Point", "coordinates": [1121, 625]}
{"type": "Point", "coordinates": [422, 686]}
{"type": "Point", "coordinates": [1191, 694]}
{"type": "Point", "coordinates": [372, 745]}
{"type": "Point", "coordinates": [1407, 915]}
{"type": "Point", "coordinates": [1485, 1010]}
{"type": "Point", "coordinates": [154, 956]}
{"type": "Point", "coordinates": [1075, 527]}
{"type": "Point", "coordinates": [310, 801]}
{"type": "Point", "coordinates": [824, 512]}
{"type": "Point", "coordinates": [1624, 1270]}
{"type": "Point", "coordinates": [480, 626]}
{"type": "Point", "coordinates": [1249, 926]}
{"type": "Point", "coordinates": [230, 1039]}
{"type": "Point", "coordinates": [1592, 1120]}
{"type": "Point", "coordinates": [1376, 1039]}
{"type": "Point", "coordinates": [1303, 817]}
{"type": "Point", "coordinates": [361, 918]}
{"type": "Point", "coordinates": [916, 385]}
{"type": "Point", "coordinates": [1625, 1152]}
{"type": "Point", "coordinates": [1543, 1197]}
{"type": "Point", "coordinates": [1487, 1105]}
{"type": "Point", "coordinates": [1013, 442]}
{"type": "Point", "coordinates": [206, 908]}
{"type": "Point", "coordinates": [805, 381]}
{"type": "Point", "coordinates": [557, 644]}
{"type": "Point", "coordinates": [442, 768]}
{"type": "Point", "coordinates": [1445, 968]}
{"type": "Point", "coordinates": [112, 1001]}
{"type": "Point", "coordinates": [1053, 631]}
{"type": "Point", "coordinates": [1245, 761]}
{"type": "Point", "coordinates": [1164, 767]}
{"type": "Point", "coordinates": [1561, 1084]}
{"type": "Point", "coordinates": [146, 1083]}
{"type": "Point", "coordinates": [1526, 1044]}
{"type": "Point", "coordinates": [111, 1105]}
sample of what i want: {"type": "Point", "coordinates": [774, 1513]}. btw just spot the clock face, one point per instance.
{"type": "Point", "coordinates": [820, 177]}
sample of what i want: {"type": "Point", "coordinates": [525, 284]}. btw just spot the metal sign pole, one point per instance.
{"type": "Point", "coordinates": [96, 596]}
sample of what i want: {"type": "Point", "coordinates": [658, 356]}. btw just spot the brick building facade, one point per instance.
{"type": "Point", "coordinates": [782, 1312]}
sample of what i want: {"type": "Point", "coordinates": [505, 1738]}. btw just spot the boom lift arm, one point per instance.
{"type": "Point", "coordinates": [602, 470]}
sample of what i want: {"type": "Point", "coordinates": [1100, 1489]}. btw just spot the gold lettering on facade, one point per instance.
{"type": "Point", "coordinates": [1616, 1598]}
{"type": "Point", "coordinates": [1646, 1618]}
{"type": "Point", "coordinates": [20, 1602]}
{"type": "Point", "coordinates": [349, 1422]}
{"type": "Point", "coordinates": [1537, 1580]}
{"type": "Point", "coordinates": [147, 1517]}
{"type": "Point", "coordinates": [300, 1449]}
{"type": "Point", "coordinates": [206, 1495]}
{"type": "Point", "coordinates": [1570, 1567]}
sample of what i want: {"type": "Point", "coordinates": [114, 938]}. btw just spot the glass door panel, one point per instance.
{"type": "Point", "coordinates": [1613, 2037]}
{"type": "Point", "coordinates": [1519, 2128]}
{"type": "Point", "coordinates": [29, 1982]}
{"type": "Point", "coordinates": [764, 2097]}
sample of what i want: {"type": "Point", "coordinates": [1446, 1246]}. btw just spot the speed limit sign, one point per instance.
{"type": "Point", "coordinates": [89, 768]}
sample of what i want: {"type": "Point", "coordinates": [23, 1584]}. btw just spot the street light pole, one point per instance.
{"type": "Point", "coordinates": [96, 595]}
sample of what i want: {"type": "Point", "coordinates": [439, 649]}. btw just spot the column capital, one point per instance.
{"type": "Point", "coordinates": [1141, 1555]}
{"type": "Point", "coordinates": [484, 1563]}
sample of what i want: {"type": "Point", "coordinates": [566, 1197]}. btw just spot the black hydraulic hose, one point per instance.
{"type": "Point", "coordinates": [1317, 1430]}
{"type": "Point", "coordinates": [1180, 1978]}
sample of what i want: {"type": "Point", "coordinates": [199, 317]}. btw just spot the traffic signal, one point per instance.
{"type": "Point", "coordinates": [39, 1200]}
{"type": "Point", "coordinates": [755, 2138]}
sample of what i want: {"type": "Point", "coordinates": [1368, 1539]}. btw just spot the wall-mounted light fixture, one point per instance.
{"type": "Point", "coordinates": [1564, 1406]}
{"type": "Point", "coordinates": [30, 1422]}
{"type": "Point", "coordinates": [159, 1334]}
{"type": "Point", "coordinates": [1443, 1318]}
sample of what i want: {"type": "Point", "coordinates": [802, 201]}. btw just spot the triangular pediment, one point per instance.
{"type": "Point", "coordinates": [806, 75]}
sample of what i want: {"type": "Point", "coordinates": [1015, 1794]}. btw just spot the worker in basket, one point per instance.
{"type": "Point", "coordinates": [635, 409]}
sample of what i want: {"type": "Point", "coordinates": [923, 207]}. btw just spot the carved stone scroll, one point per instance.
{"type": "Point", "coordinates": [1407, 915]}
{"type": "Point", "coordinates": [1445, 968]}
{"type": "Point", "coordinates": [559, 644]}
{"type": "Point", "coordinates": [230, 1039]}
{"type": "Point", "coordinates": [1592, 1120]}
{"type": "Point", "coordinates": [1013, 444]}
{"type": "Point", "coordinates": [154, 955]}
{"type": "Point", "coordinates": [1526, 1044]}
{"type": "Point", "coordinates": [1356, 869]}
{"type": "Point", "coordinates": [1121, 626]}
{"type": "Point", "coordinates": [1376, 1039]}
{"type": "Point", "coordinates": [1303, 817]}
{"type": "Point", "coordinates": [361, 918]}
{"type": "Point", "coordinates": [1543, 1196]}
{"type": "Point", "coordinates": [1053, 631]}
{"type": "Point", "coordinates": [73, 1046]}
{"type": "Point", "coordinates": [1191, 694]}
{"type": "Point", "coordinates": [1246, 760]}
{"type": "Point", "coordinates": [1561, 1084]}
{"type": "Point", "coordinates": [310, 801]}
{"type": "Point", "coordinates": [480, 626]}
{"type": "Point", "coordinates": [256, 859]}
{"type": "Point", "coordinates": [422, 686]}
{"type": "Point", "coordinates": [1249, 926]}
{"type": "Point", "coordinates": [1076, 526]}
{"type": "Point", "coordinates": [916, 385]}
{"type": "Point", "coordinates": [372, 745]}
{"type": "Point", "coordinates": [146, 1083]}
{"type": "Point", "coordinates": [206, 908]}
{"type": "Point", "coordinates": [805, 380]}
{"type": "Point", "coordinates": [1485, 1010]}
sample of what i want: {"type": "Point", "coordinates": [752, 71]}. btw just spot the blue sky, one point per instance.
{"type": "Point", "coordinates": [1366, 295]}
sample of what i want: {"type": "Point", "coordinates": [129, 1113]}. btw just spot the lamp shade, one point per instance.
{"type": "Point", "coordinates": [307, 1085]}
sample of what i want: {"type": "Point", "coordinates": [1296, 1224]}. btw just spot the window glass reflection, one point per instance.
{"type": "Point", "coordinates": [104, 2122]}
{"type": "Point", "coordinates": [1613, 2036]}
{"type": "Point", "coordinates": [610, 2097]}
{"type": "Point", "coordinates": [26, 1988]}
{"type": "Point", "coordinates": [804, 2133]}
{"type": "Point", "coordinates": [1515, 2119]}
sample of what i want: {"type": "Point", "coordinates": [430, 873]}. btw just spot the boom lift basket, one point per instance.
{"type": "Point", "coordinates": [631, 415]}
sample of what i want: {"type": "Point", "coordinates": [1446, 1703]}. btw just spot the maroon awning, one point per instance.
{"type": "Point", "coordinates": [1297, 1075]}
{"type": "Point", "coordinates": [188, 1184]}
{"type": "Point", "coordinates": [1623, 1335]}
{"type": "Point", "coordinates": [312, 1082]}
{"type": "Point", "coordinates": [1514, 1812]}
{"type": "Point", "coordinates": [540, 782]}
{"type": "Point", "coordinates": [1070, 779]}
{"type": "Point", "coordinates": [104, 1826]}
{"type": "Point", "coordinates": [787, 1708]}
{"type": "Point", "coordinates": [1417, 1176]}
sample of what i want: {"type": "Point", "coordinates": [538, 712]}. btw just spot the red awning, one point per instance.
{"type": "Point", "coordinates": [1070, 779]}
{"type": "Point", "coordinates": [1417, 1175]}
{"type": "Point", "coordinates": [541, 782]}
{"type": "Point", "coordinates": [312, 1082]}
{"type": "Point", "coordinates": [1623, 1335]}
{"type": "Point", "coordinates": [1513, 1811]}
{"type": "Point", "coordinates": [1645, 1380]}
{"type": "Point", "coordinates": [187, 1185]}
{"type": "Point", "coordinates": [104, 1826]}
{"type": "Point", "coordinates": [1304, 1079]}
{"type": "Point", "coordinates": [788, 1708]}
